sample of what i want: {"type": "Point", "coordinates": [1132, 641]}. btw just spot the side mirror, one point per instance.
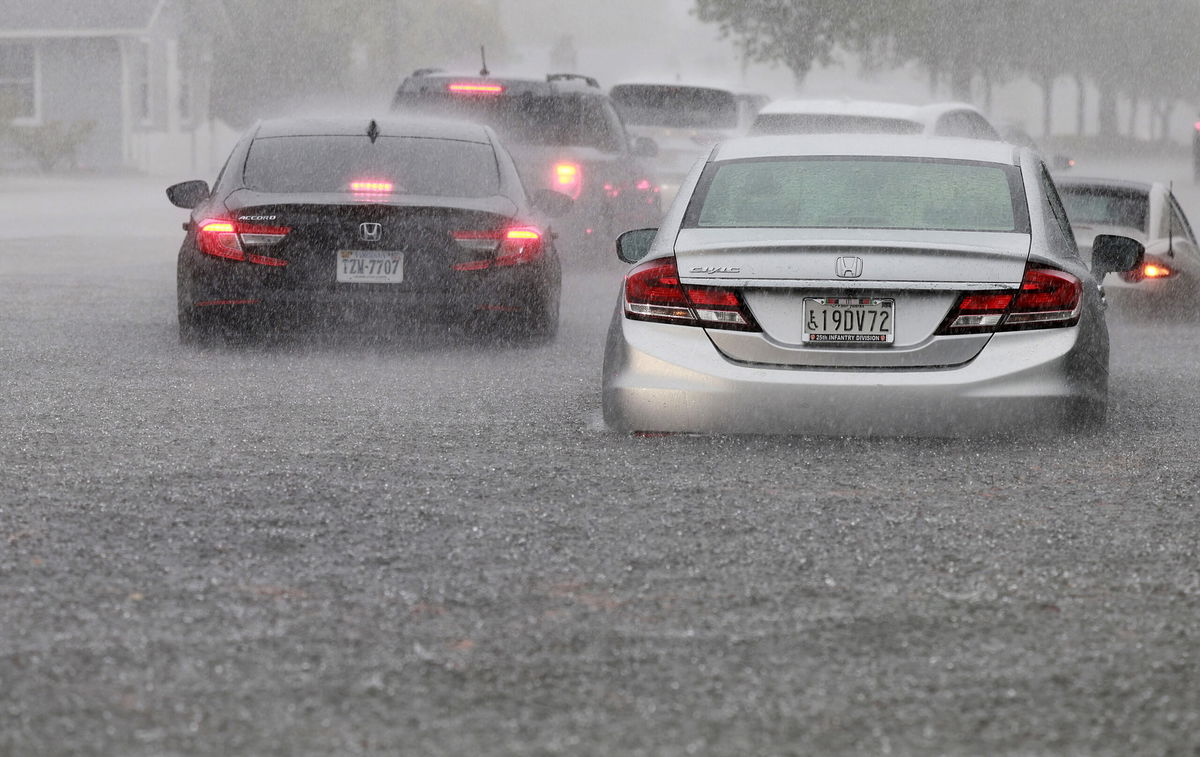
{"type": "Point", "coordinates": [1114, 254]}
{"type": "Point", "coordinates": [553, 204]}
{"type": "Point", "coordinates": [188, 194]}
{"type": "Point", "coordinates": [634, 245]}
{"type": "Point", "coordinates": [644, 147]}
{"type": "Point", "coordinates": [1061, 162]}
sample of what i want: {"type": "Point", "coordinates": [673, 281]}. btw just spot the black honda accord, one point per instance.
{"type": "Point", "coordinates": [398, 222]}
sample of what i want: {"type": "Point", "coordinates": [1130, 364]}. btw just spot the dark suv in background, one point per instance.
{"type": "Point", "coordinates": [564, 134]}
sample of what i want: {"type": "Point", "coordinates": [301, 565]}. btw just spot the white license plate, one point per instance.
{"type": "Point", "coordinates": [849, 320]}
{"type": "Point", "coordinates": [370, 267]}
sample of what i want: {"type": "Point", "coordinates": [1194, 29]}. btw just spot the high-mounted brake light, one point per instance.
{"type": "Point", "coordinates": [1047, 298]}
{"type": "Point", "coordinates": [568, 179]}
{"type": "Point", "coordinates": [232, 240]}
{"type": "Point", "coordinates": [475, 88]}
{"type": "Point", "coordinates": [372, 187]}
{"type": "Point", "coordinates": [502, 248]}
{"type": "Point", "coordinates": [653, 292]}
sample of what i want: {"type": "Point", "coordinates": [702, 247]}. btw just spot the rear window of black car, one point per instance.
{"type": "Point", "coordinates": [414, 166]}
{"type": "Point", "coordinates": [860, 193]}
{"type": "Point", "coordinates": [528, 119]}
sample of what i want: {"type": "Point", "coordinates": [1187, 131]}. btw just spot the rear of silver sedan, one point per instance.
{"type": "Point", "coordinates": [878, 294]}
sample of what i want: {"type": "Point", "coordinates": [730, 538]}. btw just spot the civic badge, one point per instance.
{"type": "Point", "coordinates": [849, 267]}
{"type": "Point", "coordinates": [370, 232]}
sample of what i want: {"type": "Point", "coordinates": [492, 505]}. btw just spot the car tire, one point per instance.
{"type": "Point", "coordinates": [196, 330]}
{"type": "Point", "coordinates": [536, 324]}
{"type": "Point", "coordinates": [1088, 417]}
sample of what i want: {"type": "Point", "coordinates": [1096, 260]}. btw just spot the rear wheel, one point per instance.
{"type": "Point", "coordinates": [196, 329]}
{"type": "Point", "coordinates": [202, 329]}
{"type": "Point", "coordinates": [537, 323]}
{"type": "Point", "coordinates": [1088, 417]}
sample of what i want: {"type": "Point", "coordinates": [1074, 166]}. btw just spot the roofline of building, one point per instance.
{"type": "Point", "coordinates": [218, 5]}
{"type": "Point", "coordinates": [69, 33]}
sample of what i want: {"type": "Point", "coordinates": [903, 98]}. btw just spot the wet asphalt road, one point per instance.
{"type": "Point", "coordinates": [422, 545]}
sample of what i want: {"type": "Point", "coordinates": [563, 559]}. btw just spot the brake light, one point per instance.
{"type": "Point", "coordinates": [475, 88]}
{"type": "Point", "coordinates": [653, 292]}
{"type": "Point", "coordinates": [568, 179]}
{"type": "Point", "coordinates": [1047, 298]}
{"type": "Point", "coordinates": [502, 248]}
{"type": "Point", "coordinates": [372, 186]}
{"type": "Point", "coordinates": [232, 240]}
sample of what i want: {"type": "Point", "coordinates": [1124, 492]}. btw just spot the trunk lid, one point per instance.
{"type": "Point", "coordinates": [322, 226]}
{"type": "Point", "coordinates": [922, 272]}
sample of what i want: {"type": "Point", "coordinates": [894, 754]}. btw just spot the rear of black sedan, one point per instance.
{"type": "Point", "coordinates": [398, 222]}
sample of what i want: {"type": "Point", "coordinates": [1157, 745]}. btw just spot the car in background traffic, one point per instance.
{"type": "Point", "coordinates": [853, 286]}
{"type": "Point", "coordinates": [392, 222]}
{"type": "Point", "coordinates": [870, 117]}
{"type": "Point", "coordinates": [1148, 212]}
{"type": "Point", "coordinates": [565, 135]}
{"type": "Point", "coordinates": [1015, 134]}
{"type": "Point", "coordinates": [685, 121]}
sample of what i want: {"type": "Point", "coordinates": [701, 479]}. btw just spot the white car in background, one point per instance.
{"type": "Point", "coordinates": [1149, 213]}
{"type": "Point", "coordinates": [870, 117]}
{"type": "Point", "coordinates": [685, 121]}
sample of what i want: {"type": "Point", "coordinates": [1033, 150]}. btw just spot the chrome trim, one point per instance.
{"type": "Point", "coordinates": [924, 286]}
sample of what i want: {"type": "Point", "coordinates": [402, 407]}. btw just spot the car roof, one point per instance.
{"type": "Point", "coordinates": [860, 145]}
{"type": "Point", "coordinates": [552, 84]}
{"type": "Point", "coordinates": [429, 128]}
{"type": "Point", "coordinates": [866, 108]}
{"type": "Point", "coordinates": [1101, 183]}
{"type": "Point", "coordinates": [673, 85]}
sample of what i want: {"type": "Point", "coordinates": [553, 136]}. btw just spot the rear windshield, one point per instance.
{"type": "Point", "coordinates": [415, 166]}
{"type": "Point", "coordinates": [680, 107]}
{"type": "Point", "coordinates": [1105, 206]}
{"type": "Point", "coordinates": [527, 119]}
{"type": "Point", "coordinates": [828, 123]}
{"type": "Point", "coordinates": [860, 193]}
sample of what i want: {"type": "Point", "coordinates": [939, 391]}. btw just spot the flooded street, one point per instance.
{"type": "Point", "coordinates": [372, 541]}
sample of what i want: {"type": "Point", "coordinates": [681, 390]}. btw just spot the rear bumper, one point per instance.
{"type": "Point", "coordinates": [247, 292]}
{"type": "Point", "coordinates": [659, 377]}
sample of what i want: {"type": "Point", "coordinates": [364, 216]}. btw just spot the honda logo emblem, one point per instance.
{"type": "Point", "coordinates": [370, 232]}
{"type": "Point", "coordinates": [849, 268]}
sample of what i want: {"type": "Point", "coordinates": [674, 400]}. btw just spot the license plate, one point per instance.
{"type": "Point", "coordinates": [370, 267]}
{"type": "Point", "coordinates": [849, 320]}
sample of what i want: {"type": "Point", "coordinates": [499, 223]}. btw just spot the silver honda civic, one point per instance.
{"type": "Point", "coordinates": [861, 286]}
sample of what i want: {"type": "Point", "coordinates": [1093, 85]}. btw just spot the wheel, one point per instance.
{"type": "Point", "coordinates": [539, 323]}
{"type": "Point", "coordinates": [536, 324]}
{"type": "Point", "coordinates": [1088, 417]}
{"type": "Point", "coordinates": [195, 329]}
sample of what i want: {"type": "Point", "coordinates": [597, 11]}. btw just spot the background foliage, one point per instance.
{"type": "Point", "coordinates": [1142, 51]}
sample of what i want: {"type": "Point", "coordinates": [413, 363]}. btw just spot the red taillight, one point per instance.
{"type": "Point", "coordinates": [1047, 298]}
{"type": "Point", "coordinates": [475, 88]}
{"type": "Point", "coordinates": [653, 292]}
{"type": "Point", "coordinates": [227, 239]}
{"type": "Point", "coordinates": [503, 248]}
{"type": "Point", "coordinates": [568, 179]}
